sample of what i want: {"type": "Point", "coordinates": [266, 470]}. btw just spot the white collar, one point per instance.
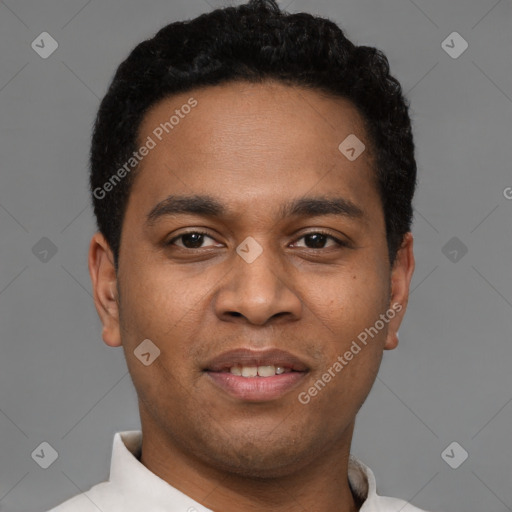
{"type": "Point", "coordinates": [137, 483]}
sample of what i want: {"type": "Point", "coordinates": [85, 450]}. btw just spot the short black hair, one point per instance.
{"type": "Point", "coordinates": [254, 42]}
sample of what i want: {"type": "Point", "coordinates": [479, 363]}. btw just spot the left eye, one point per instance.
{"type": "Point", "coordinates": [313, 240]}
{"type": "Point", "coordinates": [319, 238]}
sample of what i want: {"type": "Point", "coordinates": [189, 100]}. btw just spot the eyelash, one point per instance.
{"type": "Point", "coordinates": [339, 242]}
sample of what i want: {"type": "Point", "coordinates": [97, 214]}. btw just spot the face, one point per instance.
{"type": "Point", "coordinates": [248, 230]}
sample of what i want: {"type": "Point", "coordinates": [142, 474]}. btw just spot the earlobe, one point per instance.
{"type": "Point", "coordinates": [104, 283]}
{"type": "Point", "coordinates": [401, 275]}
{"type": "Point", "coordinates": [391, 342]}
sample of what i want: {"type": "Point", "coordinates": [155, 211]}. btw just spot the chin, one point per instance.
{"type": "Point", "coordinates": [260, 459]}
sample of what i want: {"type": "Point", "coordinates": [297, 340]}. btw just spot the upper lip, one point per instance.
{"type": "Point", "coordinates": [247, 357]}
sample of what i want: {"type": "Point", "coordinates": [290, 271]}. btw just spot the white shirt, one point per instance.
{"type": "Point", "coordinates": [134, 488]}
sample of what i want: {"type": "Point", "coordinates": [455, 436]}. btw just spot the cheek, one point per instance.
{"type": "Point", "coordinates": [152, 302]}
{"type": "Point", "coordinates": [159, 305]}
{"type": "Point", "coordinates": [348, 302]}
{"type": "Point", "coordinates": [153, 308]}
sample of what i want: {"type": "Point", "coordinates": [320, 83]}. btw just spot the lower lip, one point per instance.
{"type": "Point", "coordinates": [256, 389]}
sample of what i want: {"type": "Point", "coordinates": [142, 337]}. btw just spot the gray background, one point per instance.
{"type": "Point", "coordinates": [449, 380]}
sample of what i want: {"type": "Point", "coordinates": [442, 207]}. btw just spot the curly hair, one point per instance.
{"type": "Point", "coordinates": [255, 42]}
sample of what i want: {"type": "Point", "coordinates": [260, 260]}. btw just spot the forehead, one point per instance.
{"type": "Point", "coordinates": [251, 143]}
{"type": "Point", "coordinates": [246, 116]}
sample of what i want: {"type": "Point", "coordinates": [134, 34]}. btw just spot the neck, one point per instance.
{"type": "Point", "coordinates": [320, 484]}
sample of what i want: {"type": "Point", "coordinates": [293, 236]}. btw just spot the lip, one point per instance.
{"type": "Point", "coordinates": [256, 389]}
{"type": "Point", "coordinates": [247, 357]}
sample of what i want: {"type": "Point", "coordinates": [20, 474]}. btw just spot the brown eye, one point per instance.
{"type": "Point", "coordinates": [191, 240]}
{"type": "Point", "coordinates": [318, 239]}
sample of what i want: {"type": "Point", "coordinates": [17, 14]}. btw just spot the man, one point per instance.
{"type": "Point", "coordinates": [252, 174]}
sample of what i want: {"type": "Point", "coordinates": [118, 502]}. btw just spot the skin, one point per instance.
{"type": "Point", "coordinates": [252, 147]}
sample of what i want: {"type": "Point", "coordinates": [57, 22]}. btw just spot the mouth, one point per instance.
{"type": "Point", "coordinates": [256, 376]}
{"type": "Point", "coordinates": [265, 371]}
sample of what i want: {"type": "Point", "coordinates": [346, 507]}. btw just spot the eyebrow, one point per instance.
{"type": "Point", "coordinates": [207, 206]}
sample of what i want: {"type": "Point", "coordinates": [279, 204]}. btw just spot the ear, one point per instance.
{"type": "Point", "coordinates": [401, 276]}
{"type": "Point", "coordinates": [104, 284]}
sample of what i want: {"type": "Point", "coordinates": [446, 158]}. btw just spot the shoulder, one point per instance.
{"type": "Point", "coordinates": [385, 504]}
{"type": "Point", "coordinates": [91, 501]}
{"type": "Point", "coordinates": [362, 482]}
{"type": "Point", "coordinates": [77, 504]}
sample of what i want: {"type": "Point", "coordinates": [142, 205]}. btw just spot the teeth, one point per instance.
{"type": "Point", "coordinates": [249, 371]}
{"type": "Point", "coordinates": [260, 371]}
{"type": "Point", "coordinates": [266, 371]}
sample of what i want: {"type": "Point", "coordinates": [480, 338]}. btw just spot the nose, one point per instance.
{"type": "Point", "coordinates": [258, 291]}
